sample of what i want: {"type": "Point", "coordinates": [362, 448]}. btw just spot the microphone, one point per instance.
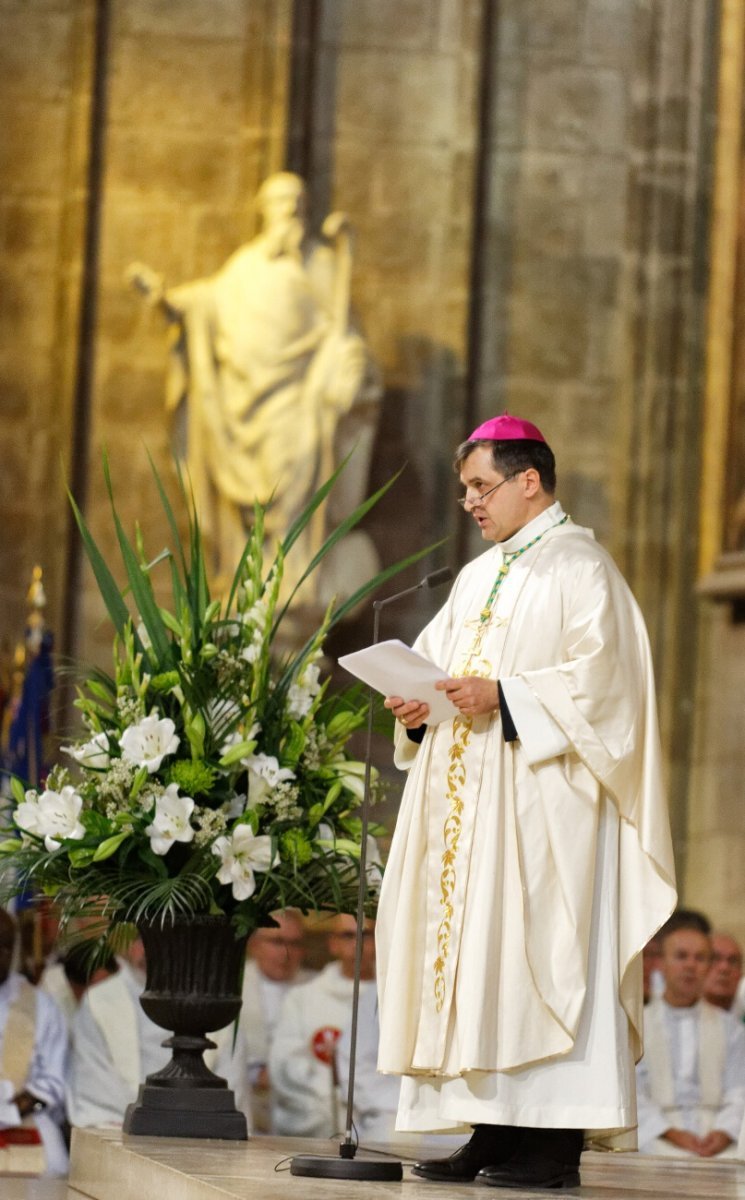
{"type": "Point", "coordinates": [433, 580]}
{"type": "Point", "coordinates": [347, 1166]}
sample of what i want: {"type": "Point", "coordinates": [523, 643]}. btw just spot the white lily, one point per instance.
{"type": "Point", "coordinates": [171, 821]}
{"type": "Point", "coordinates": [267, 767]}
{"type": "Point", "coordinates": [52, 815]}
{"type": "Point", "coordinates": [241, 855]}
{"type": "Point", "coordinates": [351, 774]}
{"type": "Point", "coordinates": [149, 741]}
{"type": "Point", "coordinates": [93, 754]}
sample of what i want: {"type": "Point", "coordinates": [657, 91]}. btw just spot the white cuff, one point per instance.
{"type": "Point", "coordinates": [541, 738]}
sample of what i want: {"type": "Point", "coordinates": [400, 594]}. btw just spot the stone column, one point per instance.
{"type": "Point", "coordinates": [45, 83]}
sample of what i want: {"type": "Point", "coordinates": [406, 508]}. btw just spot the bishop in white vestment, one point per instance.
{"type": "Point", "coordinates": [525, 875]}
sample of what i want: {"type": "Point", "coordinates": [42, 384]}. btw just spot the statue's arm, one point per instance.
{"type": "Point", "coordinates": [173, 302]}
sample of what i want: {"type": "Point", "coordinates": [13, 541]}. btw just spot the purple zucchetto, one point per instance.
{"type": "Point", "coordinates": [506, 429]}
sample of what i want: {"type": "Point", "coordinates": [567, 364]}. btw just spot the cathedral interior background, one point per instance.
{"type": "Point", "coordinates": [546, 199]}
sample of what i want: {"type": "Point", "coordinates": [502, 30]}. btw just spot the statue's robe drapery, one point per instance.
{"type": "Point", "coordinates": [525, 877]}
{"type": "Point", "coordinates": [267, 376]}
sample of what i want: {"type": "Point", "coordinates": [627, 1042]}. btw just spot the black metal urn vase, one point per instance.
{"type": "Point", "coordinates": [194, 970]}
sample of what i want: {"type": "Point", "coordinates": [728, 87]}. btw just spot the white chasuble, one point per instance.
{"type": "Point", "coordinates": [509, 859]}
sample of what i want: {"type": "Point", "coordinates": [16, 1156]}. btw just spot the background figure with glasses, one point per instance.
{"type": "Point", "coordinates": [531, 860]}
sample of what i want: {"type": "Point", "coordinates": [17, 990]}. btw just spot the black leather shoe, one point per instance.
{"type": "Point", "coordinates": [489, 1146]}
{"type": "Point", "coordinates": [547, 1158]}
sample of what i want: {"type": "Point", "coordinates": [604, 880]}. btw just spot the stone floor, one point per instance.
{"type": "Point", "coordinates": [106, 1166]}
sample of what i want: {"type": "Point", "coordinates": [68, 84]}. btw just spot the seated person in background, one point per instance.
{"type": "Point", "coordinates": [274, 966]}
{"type": "Point", "coordinates": [33, 1054]}
{"type": "Point", "coordinates": [302, 1060]}
{"type": "Point", "coordinates": [722, 986]}
{"type": "Point", "coordinates": [114, 1046]}
{"type": "Point", "coordinates": [653, 979]}
{"type": "Point", "coordinates": [66, 981]}
{"type": "Point", "coordinates": [691, 1080]}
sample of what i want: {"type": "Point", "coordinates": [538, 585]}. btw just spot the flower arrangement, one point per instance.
{"type": "Point", "coordinates": [213, 775]}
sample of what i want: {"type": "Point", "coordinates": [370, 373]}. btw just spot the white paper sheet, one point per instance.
{"type": "Point", "coordinates": [394, 669]}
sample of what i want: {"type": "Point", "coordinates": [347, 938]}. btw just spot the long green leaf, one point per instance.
{"type": "Point", "coordinates": [142, 589]}
{"type": "Point", "coordinates": [338, 533]}
{"type": "Point", "coordinates": [107, 585]}
{"type": "Point", "coordinates": [382, 577]}
{"type": "Point", "coordinates": [298, 525]}
{"type": "Point", "coordinates": [168, 510]}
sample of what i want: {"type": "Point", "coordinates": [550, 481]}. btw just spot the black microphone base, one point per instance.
{"type": "Point", "coordinates": [318, 1166]}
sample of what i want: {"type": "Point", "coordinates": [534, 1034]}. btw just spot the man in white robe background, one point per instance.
{"type": "Point", "coordinates": [691, 1081]}
{"type": "Point", "coordinates": [33, 1063]}
{"type": "Point", "coordinates": [532, 858]}
{"type": "Point", "coordinates": [274, 967]}
{"type": "Point", "coordinates": [724, 983]}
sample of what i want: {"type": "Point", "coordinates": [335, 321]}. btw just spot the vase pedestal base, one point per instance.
{"type": "Point", "coordinates": [201, 1112]}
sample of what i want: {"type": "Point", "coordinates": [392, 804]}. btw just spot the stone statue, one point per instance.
{"type": "Point", "coordinates": [277, 387]}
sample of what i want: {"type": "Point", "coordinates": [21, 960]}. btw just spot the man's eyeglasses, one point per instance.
{"type": "Point", "coordinates": [465, 501]}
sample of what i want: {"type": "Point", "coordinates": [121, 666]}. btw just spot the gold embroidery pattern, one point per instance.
{"type": "Point", "coordinates": [451, 836]}
{"type": "Point", "coordinates": [456, 776]}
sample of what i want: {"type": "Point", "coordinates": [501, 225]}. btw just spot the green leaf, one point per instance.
{"type": "Point", "coordinates": [171, 623]}
{"type": "Point", "coordinates": [142, 589]}
{"type": "Point", "coordinates": [236, 753]}
{"type": "Point", "coordinates": [293, 746]}
{"type": "Point", "coordinates": [81, 857]}
{"type": "Point", "coordinates": [107, 586]}
{"type": "Point", "coordinates": [138, 782]}
{"type": "Point", "coordinates": [168, 510]}
{"type": "Point", "coordinates": [9, 846]}
{"type": "Point", "coordinates": [95, 822]}
{"type": "Point", "coordinates": [18, 790]}
{"type": "Point", "coordinates": [196, 729]}
{"type": "Point", "coordinates": [110, 846]}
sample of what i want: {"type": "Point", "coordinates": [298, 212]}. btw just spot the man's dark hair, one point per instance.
{"type": "Point", "coordinates": [511, 457]}
{"type": "Point", "coordinates": [685, 918]}
{"type": "Point", "coordinates": [80, 961]}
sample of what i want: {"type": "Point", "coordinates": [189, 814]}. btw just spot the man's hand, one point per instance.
{"type": "Point", "coordinates": [714, 1143]}
{"type": "Point", "coordinates": [411, 713]}
{"type": "Point", "coordinates": [684, 1140]}
{"type": "Point", "coordinates": [472, 695]}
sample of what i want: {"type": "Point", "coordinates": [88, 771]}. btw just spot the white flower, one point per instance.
{"type": "Point", "coordinates": [93, 754]}
{"type": "Point", "coordinates": [267, 767]}
{"type": "Point", "coordinates": [171, 820]}
{"type": "Point", "coordinates": [264, 773]}
{"type": "Point", "coordinates": [147, 743]}
{"type": "Point", "coordinates": [144, 636]}
{"type": "Point", "coordinates": [53, 816]}
{"type": "Point", "coordinates": [301, 694]}
{"type": "Point", "coordinates": [351, 774]}
{"type": "Point", "coordinates": [250, 653]}
{"type": "Point", "coordinates": [236, 806]}
{"type": "Point", "coordinates": [241, 855]}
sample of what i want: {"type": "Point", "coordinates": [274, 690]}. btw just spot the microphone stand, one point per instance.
{"type": "Point", "coordinates": [347, 1166]}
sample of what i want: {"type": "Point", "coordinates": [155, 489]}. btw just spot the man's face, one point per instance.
{"type": "Point", "coordinates": [725, 971]}
{"type": "Point", "coordinates": [278, 953]}
{"type": "Point", "coordinates": [686, 957]}
{"type": "Point", "coordinates": [507, 509]}
{"type": "Point", "coordinates": [342, 946]}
